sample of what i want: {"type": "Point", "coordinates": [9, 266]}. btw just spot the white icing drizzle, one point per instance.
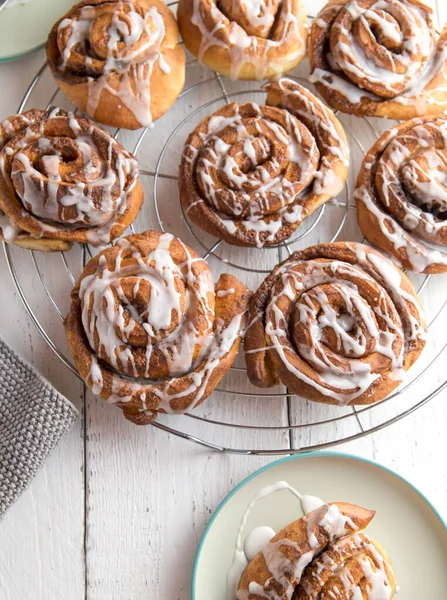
{"type": "Point", "coordinates": [8, 230]}
{"type": "Point", "coordinates": [300, 102]}
{"type": "Point", "coordinates": [153, 313]}
{"type": "Point", "coordinates": [385, 52]}
{"type": "Point", "coordinates": [258, 169]}
{"type": "Point", "coordinates": [241, 556]}
{"type": "Point", "coordinates": [135, 38]}
{"type": "Point", "coordinates": [236, 33]}
{"type": "Point", "coordinates": [369, 314]}
{"type": "Point", "coordinates": [311, 571]}
{"type": "Point", "coordinates": [223, 293]}
{"type": "Point", "coordinates": [331, 573]}
{"type": "Point", "coordinates": [256, 540]}
{"type": "Point", "coordinates": [81, 179]}
{"type": "Point", "coordinates": [404, 187]}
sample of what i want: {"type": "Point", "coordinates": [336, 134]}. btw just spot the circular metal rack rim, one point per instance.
{"type": "Point", "coordinates": [211, 252]}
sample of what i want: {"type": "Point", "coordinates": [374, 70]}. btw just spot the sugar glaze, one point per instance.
{"type": "Point", "coordinates": [153, 315]}
{"type": "Point", "coordinates": [335, 560]}
{"type": "Point", "coordinates": [246, 31]}
{"type": "Point", "coordinates": [339, 326]}
{"type": "Point", "coordinates": [80, 180]}
{"type": "Point", "coordinates": [231, 166]}
{"type": "Point", "coordinates": [404, 187]}
{"type": "Point", "coordinates": [135, 38]}
{"type": "Point", "coordinates": [241, 557]}
{"type": "Point", "coordinates": [394, 58]}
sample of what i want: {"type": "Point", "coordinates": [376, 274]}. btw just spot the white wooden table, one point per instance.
{"type": "Point", "coordinates": [117, 511]}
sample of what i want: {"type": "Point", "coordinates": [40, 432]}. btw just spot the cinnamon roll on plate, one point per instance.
{"type": "Point", "coordinates": [269, 539]}
{"type": "Point", "coordinates": [322, 555]}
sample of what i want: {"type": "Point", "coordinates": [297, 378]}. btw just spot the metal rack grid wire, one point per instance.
{"type": "Point", "coordinates": [178, 425]}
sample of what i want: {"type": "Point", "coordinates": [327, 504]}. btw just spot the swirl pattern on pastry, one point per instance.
{"type": "Point", "coordinates": [321, 555]}
{"type": "Point", "coordinates": [381, 58]}
{"type": "Point", "coordinates": [147, 328]}
{"type": "Point", "coordinates": [119, 61]}
{"type": "Point", "coordinates": [337, 323]}
{"type": "Point", "coordinates": [250, 174]}
{"type": "Point", "coordinates": [245, 40]}
{"type": "Point", "coordinates": [401, 194]}
{"type": "Point", "coordinates": [355, 566]}
{"type": "Point", "coordinates": [63, 178]}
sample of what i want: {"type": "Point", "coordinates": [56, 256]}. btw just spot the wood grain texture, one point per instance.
{"type": "Point", "coordinates": [117, 511]}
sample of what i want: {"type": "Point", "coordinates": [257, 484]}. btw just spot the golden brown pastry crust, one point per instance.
{"type": "Point", "coordinates": [24, 240]}
{"type": "Point", "coordinates": [63, 179]}
{"type": "Point", "coordinates": [251, 174]}
{"type": "Point", "coordinates": [385, 61]}
{"type": "Point", "coordinates": [230, 39]}
{"type": "Point", "coordinates": [402, 197]}
{"type": "Point", "coordinates": [131, 84]}
{"type": "Point", "coordinates": [148, 330]}
{"type": "Point", "coordinates": [336, 323]}
{"type": "Point", "coordinates": [320, 553]}
{"type": "Point", "coordinates": [9, 232]}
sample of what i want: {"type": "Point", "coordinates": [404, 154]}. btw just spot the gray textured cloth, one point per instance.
{"type": "Point", "coordinates": [33, 418]}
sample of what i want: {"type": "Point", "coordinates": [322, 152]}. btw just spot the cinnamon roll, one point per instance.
{"type": "Point", "coordinates": [336, 323]}
{"type": "Point", "coordinates": [245, 40]}
{"type": "Point", "coordinates": [250, 174]}
{"type": "Point", "coordinates": [401, 194]}
{"type": "Point", "coordinates": [321, 555]}
{"type": "Point", "coordinates": [381, 59]}
{"type": "Point", "coordinates": [63, 179]}
{"type": "Point", "coordinates": [119, 61]}
{"type": "Point", "coordinates": [147, 328]}
{"type": "Point", "coordinates": [12, 234]}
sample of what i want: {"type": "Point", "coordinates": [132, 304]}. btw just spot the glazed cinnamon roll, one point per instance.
{"type": "Point", "coordinates": [11, 234]}
{"type": "Point", "coordinates": [321, 555]}
{"type": "Point", "coordinates": [147, 328]}
{"type": "Point", "coordinates": [401, 194]}
{"type": "Point", "coordinates": [245, 40]}
{"type": "Point", "coordinates": [63, 179]}
{"type": "Point", "coordinates": [336, 323]}
{"type": "Point", "coordinates": [119, 61]}
{"type": "Point", "coordinates": [379, 58]}
{"type": "Point", "coordinates": [250, 174]}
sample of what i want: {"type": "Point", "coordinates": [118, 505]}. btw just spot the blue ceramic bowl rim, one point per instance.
{"type": "Point", "coordinates": [287, 459]}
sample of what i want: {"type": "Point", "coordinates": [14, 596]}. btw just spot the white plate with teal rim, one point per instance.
{"type": "Point", "coordinates": [406, 524]}
{"type": "Point", "coordinates": [25, 25]}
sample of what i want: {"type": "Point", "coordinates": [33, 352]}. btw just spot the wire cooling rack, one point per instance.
{"type": "Point", "coordinates": [269, 422]}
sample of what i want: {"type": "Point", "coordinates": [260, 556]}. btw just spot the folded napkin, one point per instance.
{"type": "Point", "coordinates": [33, 418]}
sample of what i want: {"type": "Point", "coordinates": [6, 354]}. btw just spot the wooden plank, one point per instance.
{"type": "Point", "coordinates": [42, 534]}
{"type": "Point", "coordinates": [41, 537]}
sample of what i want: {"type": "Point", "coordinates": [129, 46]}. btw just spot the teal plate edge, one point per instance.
{"type": "Point", "coordinates": [21, 54]}
{"type": "Point", "coordinates": [288, 459]}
